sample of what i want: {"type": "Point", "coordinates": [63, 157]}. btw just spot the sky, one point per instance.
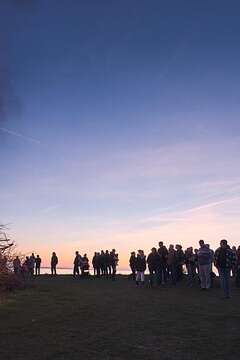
{"type": "Point", "coordinates": [119, 124]}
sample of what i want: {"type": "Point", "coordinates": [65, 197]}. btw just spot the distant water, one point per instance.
{"type": "Point", "coordinates": [68, 271]}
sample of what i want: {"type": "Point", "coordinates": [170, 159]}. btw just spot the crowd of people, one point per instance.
{"type": "Point", "coordinates": [167, 265]}
{"type": "Point", "coordinates": [30, 266]}
{"type": "Point", "coordinates": [105, 263]}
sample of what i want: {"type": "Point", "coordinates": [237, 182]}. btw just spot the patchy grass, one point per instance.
{"type": "Point", "coordinates": [66, 319]}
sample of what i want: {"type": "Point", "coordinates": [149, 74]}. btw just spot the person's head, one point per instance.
{"type": "Point", "coordinates": [196, 251]}
{"type": "Point", "coordinates": [201, 243]}
{"type": "Point", "coordinates": [113, 251]}
{"type": "Point", "coordinates": [171, 247]}
{"type": "Point", "coordinates": [133, 253]}
{"type": "Point", "coordinates": [27, 257]}
{"type": "Point", "coordinates": [17, 257]}
{"type": "Point", "coordinates": [37, 256]}
{"type": "Point", "coordinates": [54, 254]}
{"type": "Point", "coordinates": [224, 243]}
{"type": "Point", "coordinates": [32, 254]}
{"type": "Point", "coordinates": [85, 255]}
{"type": "Point", "coordinates": [160, 243]}
{"type": "Point", "coordinates": [140, 252]}
{"type": "Point", "coordinates": [107, 252]}
{"type": "Point", "coordinates": [154, 250]}
{"type": "Point", "coordinates": [234, 248]}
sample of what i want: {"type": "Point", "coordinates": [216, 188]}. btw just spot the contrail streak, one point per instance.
{"type": "Point", "coordinates": [22, 136]}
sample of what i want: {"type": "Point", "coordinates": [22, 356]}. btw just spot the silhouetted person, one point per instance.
{"type": "Point", "coordinates": [54, 262]}
{"type": "Point", "coordinates": [76, 263]}
{"type": "Point", "coordinates": [190, 261]}
{"type": "Point", "coordinates": [102, 263]}
{"type": "Point", "coordinates": [162, 269]}
{"type": "Point", "coordinates": [172, 264]}
{"type": "Point", "coordinates": [132, 264]}
{"type": "Point", "coordinates": [179, 262]}
{"type": "Point", "coordinates": [140, 267]}
{"type": "Point", "coordinates": [224, 261]}
{"type": "Point", "coordinates": [38, 261]}
{"type": "Point", "coordinates": [204, 256]}
{"type": "Point", "coordinates": [84, 265]}
{"type": "Point", "coordinates": [94, 263]}
{"type": "Point", "coordinates": [98, 264]}
{"type": "Point", "coordinates": [31, 264]}
{"type": "Point", "coordinates": [114, 262]}
{"type": "Point", "coordinates": [108, 260]}
{"type": "Point", "coordinates": [153, 261]}
{"type": "Point", "coordinates": [17, 266]}
{"type": "Point", "coordinates": [25, 269]}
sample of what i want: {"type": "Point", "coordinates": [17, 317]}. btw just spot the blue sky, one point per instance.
{"type": "Point", "coordinates": [120, 124]}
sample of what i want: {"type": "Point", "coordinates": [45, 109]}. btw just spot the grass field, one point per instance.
{"type": "Point", "coordinates": [65, 318]}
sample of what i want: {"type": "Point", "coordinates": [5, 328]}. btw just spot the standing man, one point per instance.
{"type": "Point", "coordinates": [172, 264]}
{"type": "Point", "coordinates": [224, 260]}
{"type": "Point", "coordinates": [179, 262]}
{"type": "Point", "coordinates": [94, 264]}
{"type": "Point", "coordinates": [76, 263]}
{"type": "Point", "coordinates": [162, 270]}
{"type": "Point", "coordinates": [153, 265]}
{"type": "Point", "coordinates": [204, 256]}
{"type": "Point", "coordinates": [38, 261]}
{"type": "Point", "coordinates": [54, 262]}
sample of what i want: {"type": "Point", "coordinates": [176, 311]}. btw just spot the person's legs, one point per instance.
{"type": "Point", "coordinates": [114, 270]}
{"type": "Point", "coordinates": [221, 278]}
{"type": "Point", "coordinates": [208, 276]}
{"type": "Point", "coordinates": [133, 274]}
{"type": "Point", "coordinates": [142, 277]}
{"type": "Point", "coordinates": [227, 282]}
{"type": "Point", "coordinates": [158, 275]}
{"type": "Point", "coordinates": [164, 273]}
{"type": "Point", "coordinates": [193, 274]}
{"type": "Point", "coordinates": [189, 274]}
{"type": "Point", "coordinates": [173, 274]}
{"type": "Point", "coordinates": [202, 276]}
{"type": "Point", "coordinates": [138, 277]}
{"type": "Point", "coordinates": [151, 276]}
{"type": "Point", "coordinates": [224, 275]}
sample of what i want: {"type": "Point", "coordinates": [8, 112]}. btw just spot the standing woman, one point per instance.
{"type": "Point", "coordinates": [140, 267]}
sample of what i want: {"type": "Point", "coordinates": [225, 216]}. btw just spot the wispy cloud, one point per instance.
{"type": "Point", "coordinates": [50, 208]}
{"type": "Point", "coordinates": [175, 216]}
{"type": "Point", "coordinates": [20, 135]}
